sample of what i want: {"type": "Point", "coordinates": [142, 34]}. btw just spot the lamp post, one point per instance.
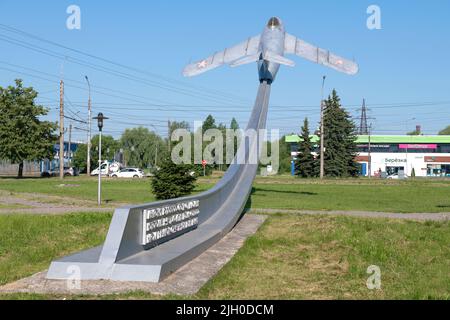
{"type": "Point", "coordinates": [100, 118]}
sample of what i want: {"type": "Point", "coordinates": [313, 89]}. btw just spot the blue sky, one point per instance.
{"type": "Point", "coordinates": [403, 67]}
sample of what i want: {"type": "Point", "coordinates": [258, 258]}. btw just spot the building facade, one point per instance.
{"type": "Point", "coordinates": [422, 156]}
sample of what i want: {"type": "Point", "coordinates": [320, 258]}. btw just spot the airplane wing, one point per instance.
{"type": "Point", "coordinates": [324, 57]}
{"type": "Point", "coordinates": [249, 47]}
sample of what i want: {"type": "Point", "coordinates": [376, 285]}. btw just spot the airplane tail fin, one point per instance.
{"type": "Point", "coordinates": [245, 60]}
{"type": "Point", "coordinates": [273, 57]}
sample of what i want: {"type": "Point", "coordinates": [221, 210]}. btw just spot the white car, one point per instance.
{"type": "Point", "coordinates": [396, 177]}
{"type": "Point", "coordinates": [107, 169]}
{"type": "Point", "coordinates": [128, 173]}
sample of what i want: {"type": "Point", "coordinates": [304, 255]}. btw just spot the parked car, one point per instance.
{"type": "Point", "coordinates": [395, 176]}
{"type": "Point", "coordinates": [128, 173]}
{"type": "Point", "coordinates": [107, 168]}
{"type": "Point", "coordinates": [68, 172]}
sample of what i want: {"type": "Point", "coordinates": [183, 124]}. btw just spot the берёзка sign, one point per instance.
{"type": "Point", "coordinates": [165, 223]}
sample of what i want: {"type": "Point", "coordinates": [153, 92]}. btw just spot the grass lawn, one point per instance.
{"type": "Point", "coordinates": [290, 257]}
{"type": "Point", "coordinates": [28, 243]}
{"type": "Point", "coordinates": [280, 192]}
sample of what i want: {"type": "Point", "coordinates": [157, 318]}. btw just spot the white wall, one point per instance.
{"type": "Point", "coordinates": [403, 159]}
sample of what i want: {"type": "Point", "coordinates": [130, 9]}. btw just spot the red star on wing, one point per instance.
{"type": "Point", "coordinates": [202, 64]}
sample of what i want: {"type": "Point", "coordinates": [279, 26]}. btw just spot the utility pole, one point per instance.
{"type": "Point", "coordinates": [322, 149]}
{"type": "Point", "coordinates": [168, 135]}
{"type": "Point", "coordinates": [157, 145]}
{"type": "Point", "coordinates": [61, 130]}
{"type": "Point", "coordinates": [88, 162]}
{"type": "Point", "coordinates": [70, 146]}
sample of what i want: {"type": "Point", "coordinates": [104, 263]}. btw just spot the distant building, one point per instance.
{"type": "Point", "coordinates": [50, 164]}
{"type": "Point", "coordinates": [35, 168]}
{"type": "Point", "coordinates": [429, 156]}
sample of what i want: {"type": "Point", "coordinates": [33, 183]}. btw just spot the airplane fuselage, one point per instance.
{"type": "Point", "coordinates": [272, 40]}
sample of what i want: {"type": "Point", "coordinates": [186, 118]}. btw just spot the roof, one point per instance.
{"type": "Point", "coordinates": [383, 139]}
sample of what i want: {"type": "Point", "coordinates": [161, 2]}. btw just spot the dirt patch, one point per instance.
{"type": "Point", "coordinates": [30, 203]}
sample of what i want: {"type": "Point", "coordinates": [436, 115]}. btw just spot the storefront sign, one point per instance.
{"type": "Point", "coordinates": [394, 161]}
{"type": "Point", "coordinates": [440, 159]}
{"type": "Point", "coordinates": [384, 146]}
{"type": "Point", "coordinates": [418, 146]}
{"type": "Point", "coordinates": [164, 223]}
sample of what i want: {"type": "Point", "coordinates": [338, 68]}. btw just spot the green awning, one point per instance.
{"type": "Point", "coordinates": [383, 139]}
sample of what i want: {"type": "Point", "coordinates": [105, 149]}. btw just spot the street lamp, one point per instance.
{"type": "Point", "coordinates": [100, 118]}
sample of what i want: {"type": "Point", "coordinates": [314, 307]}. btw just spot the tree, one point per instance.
{"type": "Point", "coordinates": [305, 164]}
{"type": "Point", "coordinates": [445, 132]}
{"type": "Point", "coordinates": [285, 155]}
{"type": "Point", "coordinates": [172, 180]}
{"type": "Point", "coordinates": [109, 148]}
{"type": "Point", "coordinates": [209, 123]}
{"type": "Point", "coordinates": [23, 136]}
{"type": "Point", "coordinates": [414, 133]}
{"type": "Point", "coordinates": [79, 158]}
{"type": "Point", "coordinates": [174, 125]}
{"type": "Point", "coordinates": [234, 125]}
{"type": "Point", "coordinates": [142, 147]}
{"type": "Point", "coordinates": [340, 138]}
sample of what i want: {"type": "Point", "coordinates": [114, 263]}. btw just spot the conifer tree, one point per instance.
{"type": "Point", "coordinates": [305, 163]}
{"type": "Point", "coordinates": [339, 140]}
{"type": "Point", "coordinates": [173, 180]}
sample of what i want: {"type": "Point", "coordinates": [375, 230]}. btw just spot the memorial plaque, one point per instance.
{"type": "Point", "coordinates": [161, 224]}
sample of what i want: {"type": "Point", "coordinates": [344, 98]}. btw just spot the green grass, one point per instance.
{"type": "Point", "coordinates": [404, 198]}
{"type": "Point", "coordinates": [280, 192]}
{"type": "Point", "coordinates": [290, 257]}
{"type": "Point", "coordinates": [28, 243]}
{"type": "Point", "coordinates": [303, 257]}
{"type": "Point", "coordinates": [131, 191]}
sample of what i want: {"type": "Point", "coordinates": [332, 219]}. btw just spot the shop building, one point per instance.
{"type": "Point", "coordinates": [423, 156]}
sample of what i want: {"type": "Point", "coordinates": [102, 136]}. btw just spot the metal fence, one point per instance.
{"type": "Point", "coordinates": [30, 168]}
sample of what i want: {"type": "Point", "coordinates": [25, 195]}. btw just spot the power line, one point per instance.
{"type": "Point", "coordinates": [238, 108]}
{"type": "Point", "coordinates": [73, 119]}
{"type": "Point", "coordinates": [171, 88]}
{"type": "Point", "coordinates": [23, 33]}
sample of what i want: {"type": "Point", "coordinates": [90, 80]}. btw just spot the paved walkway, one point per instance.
{"type": "Point", "coordinates": [28, 203]}
{"type": "Point", "coordinates": [186, 280]}
{"type": "Point", "coordinates": [443, 216]}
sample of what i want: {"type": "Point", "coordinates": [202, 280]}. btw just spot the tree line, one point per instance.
{"type": "Point", "coordinates": [24, 136]}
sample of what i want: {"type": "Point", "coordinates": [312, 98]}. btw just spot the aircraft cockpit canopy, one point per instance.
{"type": "Point", "coordinates": [273, 23]}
